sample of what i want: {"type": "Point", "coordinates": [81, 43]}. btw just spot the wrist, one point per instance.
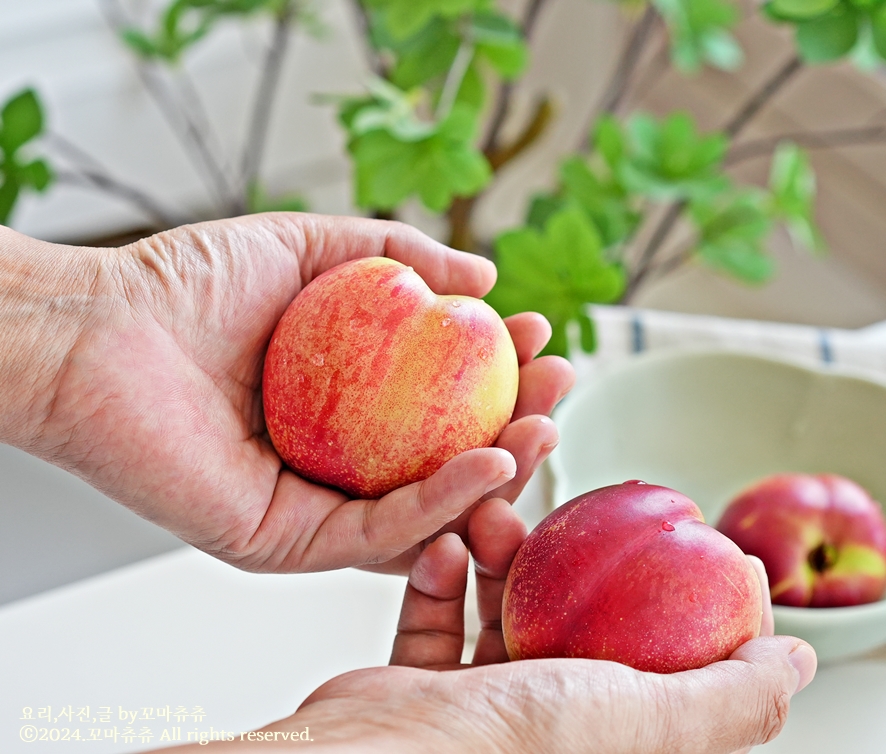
{"type": "Point", "coordinates": [45, 303]}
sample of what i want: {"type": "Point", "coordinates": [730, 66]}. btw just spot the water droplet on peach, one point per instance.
{"type": "Point", "coordinates": [318, 360]}
{"type": "Point", "coordinates": [667, 526]}
{"type": "Point", "coordinates": [446, 322]}
{"type": "Point", "coordinates": [456, 304]}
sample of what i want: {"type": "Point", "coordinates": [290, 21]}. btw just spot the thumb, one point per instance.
{"type": "Point", "coordinates": [737, 703]}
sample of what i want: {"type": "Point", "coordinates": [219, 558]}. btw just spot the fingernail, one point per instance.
{"type": "Point", "coordinates": [804, 661]}
{"type": "Point", "coordinates": [499, 481]}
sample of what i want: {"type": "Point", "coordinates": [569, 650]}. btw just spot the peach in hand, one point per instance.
{"type": "Point", "coordinates": [372, 381]}
{"type": "Point", "coordinates": [630, 573]}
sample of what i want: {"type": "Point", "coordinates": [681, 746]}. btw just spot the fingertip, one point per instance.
{"type": "Point", "coordinates": [771, 652]}
{"type": "Point", "coordinates": [767, 621]}
{"type": "Point", "coordinates": [804, 660]}
{"type": "Point", "coordinates": [440, 571]}
{"type": "Point", "coordinates": [505, 464]}
{"type": "Point", "coordinates": [495, 533]}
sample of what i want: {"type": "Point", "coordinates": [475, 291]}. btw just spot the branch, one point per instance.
{"type": "Point", "coordinates": [254, 147]}
{"type": "Point", "coordinates": [506, 88]}
{"type": "Point", "coordinates": [761, 98]}
{"type": "Point", "coordinates": [732, 128]}
{"type": "Point", "coordinates": [455, 77]}
{"type": "Point", "coordinates": [627, 64]}
{"type": "Point", "coordinates": [841, 137]}
{"type": "Point", "coordinates": [90, 172]}
{"type": "Point", "coordinates": [658, 237]}
{"type": "Point", "coordinates": [364, 28]}
{"type": "Point", "coordinates": [541, 117]}
{"type": "Point", "coordinates": [102, 182]}
{"type": "Point", "coordinates": [192, 135]}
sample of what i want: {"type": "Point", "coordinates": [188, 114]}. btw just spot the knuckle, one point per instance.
{"type": "Point", "coordinates": [774, 715]}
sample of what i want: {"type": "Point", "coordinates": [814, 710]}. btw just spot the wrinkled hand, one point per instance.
{"type": "Point", "coordinates": [428, 702]}
{"type": "Point", "coordinates": [158, 402]}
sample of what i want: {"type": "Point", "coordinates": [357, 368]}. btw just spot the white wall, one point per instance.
{"type": "Point", "coordinates": [88, 82]}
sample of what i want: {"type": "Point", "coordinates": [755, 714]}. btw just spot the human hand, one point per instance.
{"type": "Point", "coordinates": [428, 701]}
{"type": "Point", "coordinates": [157, 401]}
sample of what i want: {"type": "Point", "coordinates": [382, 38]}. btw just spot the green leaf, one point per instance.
{"type": "Point", "coordinates": [36, 174]}
{"type": "Point", "coordinates": [387, 108]}
{"type": "Point", "coordinates": [500, 41]}
{"type": "Point", "coordinates": [721, 50]}
{"type": "Point", "coordinates": [828, 37]}
{"type": "Point", "coordinates": [792, 187]}
{"type": "Point", "coordinates": [605, 202]}
{"type": "Point", "coordinates": [438, 167]}
{"type": "Point", "coordinates": [556, 271]}
{"type": "Point", "coordinates": [671, 160]}
{"type": "Point", "coordinates": [20, 121]}
{"type": "Point", "coordinates": [866, 55]}
{"type": "Point", "coordinates": [733, 229]}
{"type": "Point", "coordinates": [699, 33]}
{"type": "Point", "coordinates": [405, 17]}
{"type": "Point", "coordinates": [140, 43]}
{"type": "Point", "coordinates": [426, 55]}
{"type": "Point", "coordinates": [588, 333]}
{"type": "Point", "coordinates": [541, 207]}
{"type": "Point", "coordinates": [802, 9]}
{"type": "Point", "coordinates": [609, 140]}
{"type": "Point", "coordinates": [878, 30]}
{"type": "Point", "coordinates": [8, 195]}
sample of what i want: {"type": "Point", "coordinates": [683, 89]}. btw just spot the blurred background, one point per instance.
{"type": "Point", "coordinates": [121, 117]}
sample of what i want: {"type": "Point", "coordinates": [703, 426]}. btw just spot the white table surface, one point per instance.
{"type": "Point", "coordinates": [183, 629]}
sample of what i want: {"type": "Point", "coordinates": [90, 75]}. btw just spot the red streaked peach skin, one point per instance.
{"type": "Point", "coordinates": [630, 573]}
{"type": "Point", "coordinates": [372, 381]}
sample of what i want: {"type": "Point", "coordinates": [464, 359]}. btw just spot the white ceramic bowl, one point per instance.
{"type": "Point", "coordinates": [708, 423]}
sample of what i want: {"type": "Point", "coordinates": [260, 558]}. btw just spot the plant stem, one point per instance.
{"type": "Point", "coordinates": [364, 28]}
{"type": "Point", "coordinates": [91, 178]}
{"type": "Point", "coordinates": [627, 64]}
{"type": "Point", "coordinates": [455, 77]}
{"type": "Point", "coordinates": [506, 88]}
{"type": "Point", "coordinates": [733, 128]}
{"type": "Point", "coordinates": [194, 138]}
{"type": "Point", "coordinates": [90, 172]}
{"type": "Point", "coordinates": [841, 137]}
{"type": "Point", "coordinates": [256, 138]}
{"type": "Point", "coordinates": [762, 97]}
{"type": "Point", "coordinates": [460, 214]}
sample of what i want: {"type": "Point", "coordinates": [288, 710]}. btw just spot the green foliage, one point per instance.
{"type": "Point", "coordinates": [416, 132]}
{"type": "Point", "coordinates": [792, 192]}
{"type": "Point", "coordinates": [404, 18]}
{"type": "Point", "coordinates": [602, 199]}
{"type": "Point", "coordinates": [700, 33]}
{"type": "Point", "coordinates": [396, 155]}
{"type": "Point", "coordinates": [732, 228]}
{"type": "Point", "coordinates": [594, 184]}
{"type": "Point", "coordinates": [556, 271]}
{"type": "Point", "coordinates": [828, 30]}
{"type": "Point", "coordinates": [21, 121]}
{"type": "Point", "coordinates": [185, 22]}
{"type": "Point", "coordinates": [670, 159]}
